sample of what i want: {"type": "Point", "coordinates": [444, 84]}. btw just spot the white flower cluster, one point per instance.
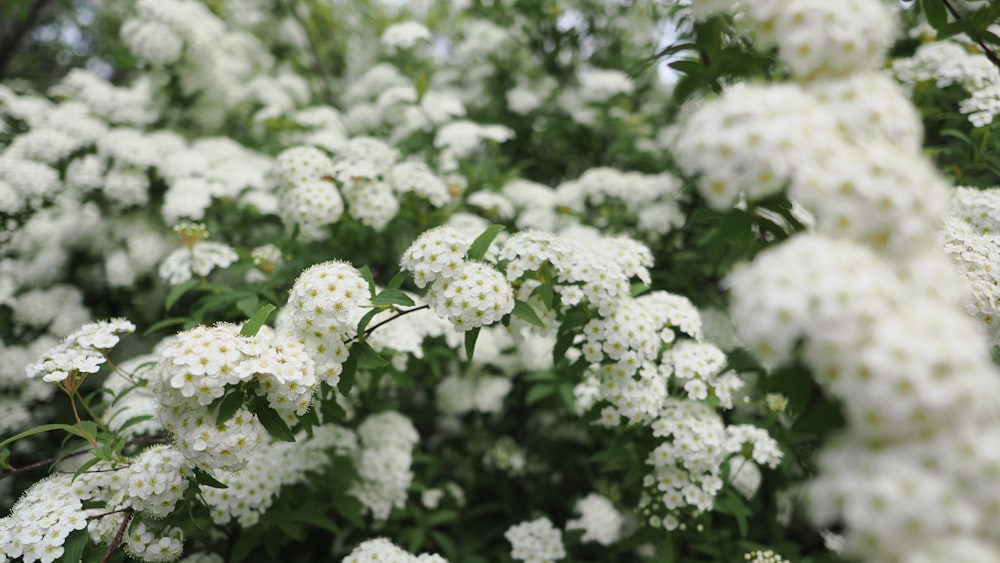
{"type": "Point", "coordinates": [251, 491]}
{"type": "Point", "coordinates": [688, 466]}
{"type": "Point", "coordinates": [320, 307]}
{"type": "Point", "coordinates": [977, 255]}
{"type": "Point", "coordinates": [506, 456]}
{"type": "Point", "coordinates": [405, 35]}
{"type": "Point", "coordinates": [469, 294]}
{"type": "Point", "coordinates": [196, 256]}
{"type": "Point", "coordinates": [381, 550]}
{"type": "Point", "coordinates": [145, 543]}
{"type": "Point", "coordinates": [383, 463]}
{"type": "Point", "coordinates": [537, 541]}
{"type": "Point", "coordinates": [39, 523]}
{"type": "Point", "coordinates": [650, 199]}
{"type": "Point", "coordinates": [767, 556]}
{"type": "Point", "coordinates": [600, 521]}
{"type": "Point", "coordinates": [460, 139]}
{"type": "Point", "coordinates": [817, 39]}
{"type": "Point", "coordinates": [82, 352]}
{"type": "Point", "coordinates": [875, 310]}
{"type": "Point", "coordinates": [953, 62]}
{"type": "Point", "coordinates": [460, 394]}
{"type": "Point", "coordinates": [200, 365]}
{"type": "Point", "coordinates": [309, 198]}
{"type": "Point", "coordinates": [157, 479]}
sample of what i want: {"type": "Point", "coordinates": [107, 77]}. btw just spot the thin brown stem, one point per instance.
{"type": "Point", "coordinates": [389, 320]}
{"type": "Point", "coordinates": [154, 439]}
{"type": "Point", "coordinates": [118, 536]}
{"type": "Point", "coordinates": [103, 514]}
{"type": "Point", "coordinates": [990, 53]}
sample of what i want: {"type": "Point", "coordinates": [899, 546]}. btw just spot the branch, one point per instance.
{"type": "Point", "coordinates": [990, 53]}
{"type": "Point", "coordinates": [389, 320]}
{"type": "Point", "coordinates": [154, 439]}
{"type": "Point", "coordinates": [129, 512]}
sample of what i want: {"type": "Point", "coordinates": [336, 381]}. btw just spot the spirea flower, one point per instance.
{"type": "Point", "coordinates": [83, 351]}
{"type": "Point", "coordinates": [599, 519]}
{"type": "Point", "coordinates": [536, 541]}
{"type": "Point", "coordinates": [436, 253]}
{"type": "Point", "coordinates": [477, 295]}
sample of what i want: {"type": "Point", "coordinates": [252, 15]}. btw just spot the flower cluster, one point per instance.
{"type": "Point", "coordinates": [157, 479]}
{"type": "Point", "coordinates": [201, 365]}
{"type": "Point", "coordinates": [599, 519]}
{"type": "Point", "coordinates": [320, 305]}
{"type": "Point", "coordinates": [41, 521]}
{"type": "Point", "coordinates": [82, 352]}
{"type": "Point", "coordinates": [383, 462]}
{"type": "Point", "coordinates": [867, 302]}
{"type": "Point", "coordinates": [536, 541]}
{"type": "Point", "coordinates": [383, 550]}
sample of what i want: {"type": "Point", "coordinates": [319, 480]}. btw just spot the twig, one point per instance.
{"type": "Point", "coordinates": [103, 514]}
{"type": "Point", "coordinates": [389, 320]}
{"type": "Point", "coordinates": [990, 53]}
{"type": "Point", "coordinates": [154, 439]}
{"type": "Point", "coordinates": [119, 536]}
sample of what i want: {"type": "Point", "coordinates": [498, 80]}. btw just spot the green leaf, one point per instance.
{"type": "Point", "coordinates": [524, 311]}
{"type": "Point", "coordinates": [272, 421]}
{"type": "Point", "coordinates": [567, 396]}
{"type": "Point", "coordinates": [229, 406]}
{"type": "Point", "coordinates": [252, 326]}
{"type": "Point", "coordinates": [135, 420]}
{"type": "Point", "coordinates": [442, 517]}
{"type": "Point", "coordinates": [86, 465]}
{"type": "Point", "coordinates": [350, 509]}
{"type": "Point", "coordinates": [367, 275]}
{"type": "Point", "coordinates": [393, 297]}
{"type": "Point", "coordinates": [397, 281]}
{"type": "Point", "coordinates": [363, 323]}
{"type": "Point", "coordinates": [546, 293]}
{"type": "Point", "coordinates": [368, 358]}
{"type": "Point", "coordinates": [483, 242]}
{"type": "Point", "coordinates": [347, 376]}
{"type": "Point", "coordinates": [470, 342]}
{"type": "Point", "coordinates": [245, 544]}
{"type": "Point", "coordinates": [539, 392]}
{"type": "Point", "coordinates": [74, 545]}
{"type": "Point", "coordinates": [167, 322]}
{"type": "Point", "coordinates": [935, 12]}
{"type": "Point", "coordinates": [43, 428]}
{"type": "Point", "coordinates": [4, 458]}
{"type": "Point", "coordinates": [546, 375]}
{"type": "Point", "coordinates": [178, 291]}
{"type": "Point", "coordinates": [204, 478]}
{"type": "Point", "coordinates": [248, 305]}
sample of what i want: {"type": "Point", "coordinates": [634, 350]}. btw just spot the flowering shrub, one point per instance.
{"type": "Point", "coordinates": [567, 280]}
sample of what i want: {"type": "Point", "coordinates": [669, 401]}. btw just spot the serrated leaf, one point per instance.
{"type": "Point", "coordinates": [393, 297]}
{"type": "Point", "coordinates": [253, 325]}
{"type": "Point", "coordinates": [524, 312]}
{"type": "Point", "coordinates": [205, 478]}
{"type": "Point", "coordinates": [482, 243]}
{"type": "Point", "coordinates": [368, 358]}
{"type": "Point", "coordinates": [367, 275]}
{"type": "Point", "coordinates": [470, 342]}
{"type": "Point", "coordinates": [178, 291]}
{"type": "Point", "coordinates": [272, 421]}
{"type": "Point", "coordinates": [229, 406]}
{"type": "Point", "coordinates": [397, 281]}
{"type": "Point", "coordinates": [74, 545]}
